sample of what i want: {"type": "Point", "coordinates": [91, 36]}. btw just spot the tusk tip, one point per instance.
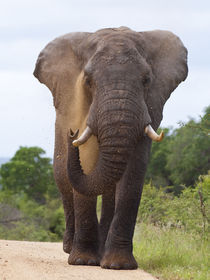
{"type": "Point", "coordinates": [83, 137]}
{"type": "Point", "coordinates": [75, 143]}
{"type": "Point", "coordinates": [153, 135]}
{"type": "Point", "coordinates": [160, 137]}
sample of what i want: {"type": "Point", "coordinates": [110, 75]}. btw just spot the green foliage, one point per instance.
{"type": "Point", "coordinates": [29, 172]}
{"type": "Point", "coordinates": [189, 211]}
{"type": "Point", "coordinates": [172, 239]}
{"type": "Point", "coordinates": [189, 155]}
{"type": "Point", "coordinates": [30, 207]}
{"type": "Point", "coordinates": [30, 220]}
{"type": "Point", "coordinates": [182, 156]}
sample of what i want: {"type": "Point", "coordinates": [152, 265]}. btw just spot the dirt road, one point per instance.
{"type": "Point", "coordinates": [43, 261]}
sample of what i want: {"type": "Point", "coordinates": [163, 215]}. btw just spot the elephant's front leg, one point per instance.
{"type": "Point", "coordinates": [85, 243]}
{"type": "Point", "coordinates": [118, 247]}
{"type": "Point", "coordinates": [107, 213]}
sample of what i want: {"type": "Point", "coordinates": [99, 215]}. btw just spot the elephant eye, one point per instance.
{"type": "Point", "coordinates": [88, 81]}
{"type": "Point", "coordinates": [146, 81]}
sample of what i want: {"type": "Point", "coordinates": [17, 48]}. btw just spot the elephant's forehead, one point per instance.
{"type": "Point", "coordinates": [117, 41]}
{"type": "Point", "coordinates": [117, 53]}
{"type": "Point", "coordinates": [118, 44]}
{"type": "Point", "coordinates": [115, 47]}
{"type": "Point", "coordinates": [117, 38]}
{"type": "Point", "coordinates": [115, 33]}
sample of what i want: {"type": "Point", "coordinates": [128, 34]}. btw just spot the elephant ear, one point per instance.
{"type": "Point", "coordinates": [167, 57]}
{"type": "Point", "coordinates": [59, 64]}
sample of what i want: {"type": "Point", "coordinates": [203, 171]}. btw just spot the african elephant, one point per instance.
{"type": "Point", "coordinates": [112, 86]}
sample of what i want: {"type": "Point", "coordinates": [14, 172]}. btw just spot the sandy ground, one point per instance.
{"type": "Point", "coordinates": [21, 260]}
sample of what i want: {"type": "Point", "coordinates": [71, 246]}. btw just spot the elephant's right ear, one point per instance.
{"type": "Point", "coordinates": [59, 64]}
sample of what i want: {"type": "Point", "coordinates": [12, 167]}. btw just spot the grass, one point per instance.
{"type": "Point", "coordinates": [171, 254]}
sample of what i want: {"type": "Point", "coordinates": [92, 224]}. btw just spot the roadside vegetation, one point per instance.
{"type": "Point", "coordinates": [172, 232]}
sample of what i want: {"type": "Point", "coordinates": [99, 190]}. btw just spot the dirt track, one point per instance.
{"type": "Point", "coordinates": [43, 261]}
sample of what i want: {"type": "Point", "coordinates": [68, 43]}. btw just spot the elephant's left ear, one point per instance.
{"type": "Point", "coordinates": [59, 65]}
{"type": "Point", "coordinates": [167, 57]}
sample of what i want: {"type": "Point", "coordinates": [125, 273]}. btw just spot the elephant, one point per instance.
{"type": "Point", "coordinates": [109, 88]}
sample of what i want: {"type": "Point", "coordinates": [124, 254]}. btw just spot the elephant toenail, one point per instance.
{"type": "Point", "coordinates": [79, 262]}
{"type": "Point", "coordinates": [92, 262]}
{"type": "Point", "coordinates": [127, 266]}
{"type": "Point", "coordinates": [105, 266]}
{"type": "Point", "coordinates": [115, 266]}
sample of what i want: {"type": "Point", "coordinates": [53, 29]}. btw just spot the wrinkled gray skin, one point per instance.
{"type": "Point", "coordinates": [116, 81]}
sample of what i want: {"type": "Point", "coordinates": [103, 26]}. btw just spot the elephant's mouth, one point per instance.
{"type": "Point", "coordinates": [149, 131]}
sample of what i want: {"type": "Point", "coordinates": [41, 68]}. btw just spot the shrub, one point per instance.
{"type": "Point", "coordinates": [189, 211]}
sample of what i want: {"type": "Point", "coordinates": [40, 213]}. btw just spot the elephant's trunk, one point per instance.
{"type": "Point", "coordinates": [101, 178]}
{"type": "Point", "coordinates": [119, 129]}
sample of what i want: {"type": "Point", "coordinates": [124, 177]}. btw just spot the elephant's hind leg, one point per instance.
{"type": "Point", "coordinates": [69, 218]}
{"type": "Point", "coordinates": [66, 191]}
{"type": "Point", "coordinates": [85, 244]}
{"type": "Point", "coordinates": [68, 205]}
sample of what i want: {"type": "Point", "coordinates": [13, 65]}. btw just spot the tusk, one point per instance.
{"type": "Point", "coordinates": [83, 138]}
{"type": "Point", "coordinates": [153, 135]}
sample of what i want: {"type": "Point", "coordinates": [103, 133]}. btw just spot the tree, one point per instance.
{"type": "Point", "coordinates": [189, 151]}
{"type": "Point", "coordinates": [182, 156]}
{"type": "Point", "coordinates": [29, 172]}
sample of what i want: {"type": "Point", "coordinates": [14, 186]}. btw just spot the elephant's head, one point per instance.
{"type": "Point", "coordinates": [127, 76]}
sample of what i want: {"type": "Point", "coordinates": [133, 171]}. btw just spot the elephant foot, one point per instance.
{"type": "Point", "coordinates": [77, 257]}
{"type": "Point", "coordinates": [118, 259]}
{"type": "Point", "coordinates": [67, 242]}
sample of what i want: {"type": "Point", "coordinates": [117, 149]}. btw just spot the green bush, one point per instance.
{"type": "Point", "coordinates": [34, 221]}
{"type": "Point", "coordinates": [30, 207]}
{"type": "Point", "coordinates": [189, 211]}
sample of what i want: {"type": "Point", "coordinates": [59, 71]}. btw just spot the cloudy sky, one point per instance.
{"type": "Point", "coordinates": [26, 26]}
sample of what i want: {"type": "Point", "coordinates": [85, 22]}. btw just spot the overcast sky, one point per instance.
{"type": "Point", "coordinates": [26, 111]}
